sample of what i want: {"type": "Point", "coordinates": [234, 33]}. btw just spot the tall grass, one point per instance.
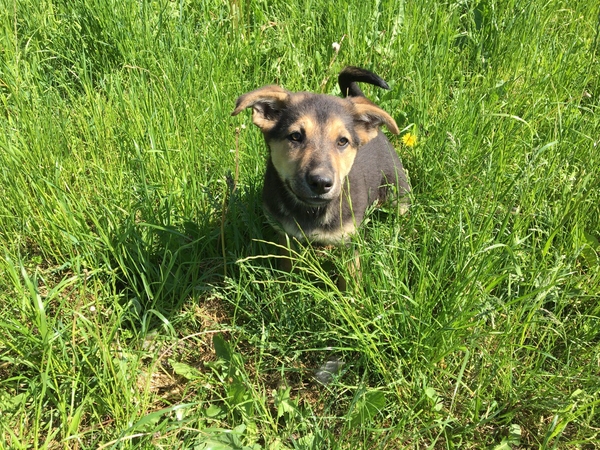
{"type": "Point", "coordinates": [140, 307]}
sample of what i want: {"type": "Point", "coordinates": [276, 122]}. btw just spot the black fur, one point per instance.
{"type": "Point", "coordinates": [350, 75]}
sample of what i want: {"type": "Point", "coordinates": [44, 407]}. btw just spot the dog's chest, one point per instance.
{"type": "Point", "coordinates": [319, 231]}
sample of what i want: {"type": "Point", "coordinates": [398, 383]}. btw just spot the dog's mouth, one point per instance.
{"type": "Point", "coordinates": [314, 201]}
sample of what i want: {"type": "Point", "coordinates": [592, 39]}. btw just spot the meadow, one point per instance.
{"type": "Point", "coordinates": [139, 307]}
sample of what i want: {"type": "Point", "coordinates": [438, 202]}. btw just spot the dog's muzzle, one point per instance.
{"type": "Point", "coordinates": [314, 189]}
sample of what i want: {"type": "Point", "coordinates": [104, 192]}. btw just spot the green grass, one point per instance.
{"type": "Point", "coordinates": [138, 309]}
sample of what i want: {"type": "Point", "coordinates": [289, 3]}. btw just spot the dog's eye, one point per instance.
{"type": "Point", "coordinates": [342, 142]}
{"type": "Point", "coordinates": [295, 136]}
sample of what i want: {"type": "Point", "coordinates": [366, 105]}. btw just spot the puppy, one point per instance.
{"type": "Point", "coordinates": [329, 160]}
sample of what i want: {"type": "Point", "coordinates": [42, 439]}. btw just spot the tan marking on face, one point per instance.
{"type": "Point", "coordinates": [282, 159]}
{"type": "Point", "coordinates": [341, 158]}
{"type": "Point", "coordinates": [287, 156]}
{"type": "Point", "coordinates": [308, 124]}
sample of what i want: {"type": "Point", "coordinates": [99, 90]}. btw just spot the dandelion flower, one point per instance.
{"type": "Point", "coordinates": [336, 47]}
{"type": "Point", "coordinates": [409, 139]}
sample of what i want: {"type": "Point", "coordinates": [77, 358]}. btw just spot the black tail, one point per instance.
{"type": "Point", "coordinates": [350, 75]}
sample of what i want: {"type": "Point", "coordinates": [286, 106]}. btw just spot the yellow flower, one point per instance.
{"type": "Point", "coordinates": [409, 139]}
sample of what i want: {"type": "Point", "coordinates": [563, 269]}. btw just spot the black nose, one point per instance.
{"type": "Point", "coordinates": [319, 183]}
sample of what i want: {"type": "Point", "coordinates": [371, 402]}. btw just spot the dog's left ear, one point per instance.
{"type": "Point", "coordinates": [370, 117]}
{"type": "Point", "coordinates": [267, 103]}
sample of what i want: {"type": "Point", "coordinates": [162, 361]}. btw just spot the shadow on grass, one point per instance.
{"type": "Point", "coordinates": [161, 263]}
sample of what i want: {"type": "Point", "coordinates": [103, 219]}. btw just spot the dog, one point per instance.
{"type": "Point", "coordinates": [329, 161]}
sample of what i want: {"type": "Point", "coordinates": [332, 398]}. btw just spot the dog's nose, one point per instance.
{"type": "Point", "coordinates": [319, 183]}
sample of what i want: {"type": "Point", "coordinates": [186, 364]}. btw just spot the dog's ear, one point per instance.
{"type": "Point", "coordinates": [369, 117]}
{"type": "Point", "coordinates": [266, 103]}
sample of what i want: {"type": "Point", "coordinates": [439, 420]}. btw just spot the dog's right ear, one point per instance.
{"type": "Point", "coordinates": [369, 117]}
{"type": "Point", "coordinates": [267, 104]}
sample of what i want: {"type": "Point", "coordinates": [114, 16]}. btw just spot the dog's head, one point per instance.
{"type": "Point", "coordinates": [313, 138]}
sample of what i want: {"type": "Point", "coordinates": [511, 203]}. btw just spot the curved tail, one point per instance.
{"type": "Point", "coordinates": [348, 78]}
